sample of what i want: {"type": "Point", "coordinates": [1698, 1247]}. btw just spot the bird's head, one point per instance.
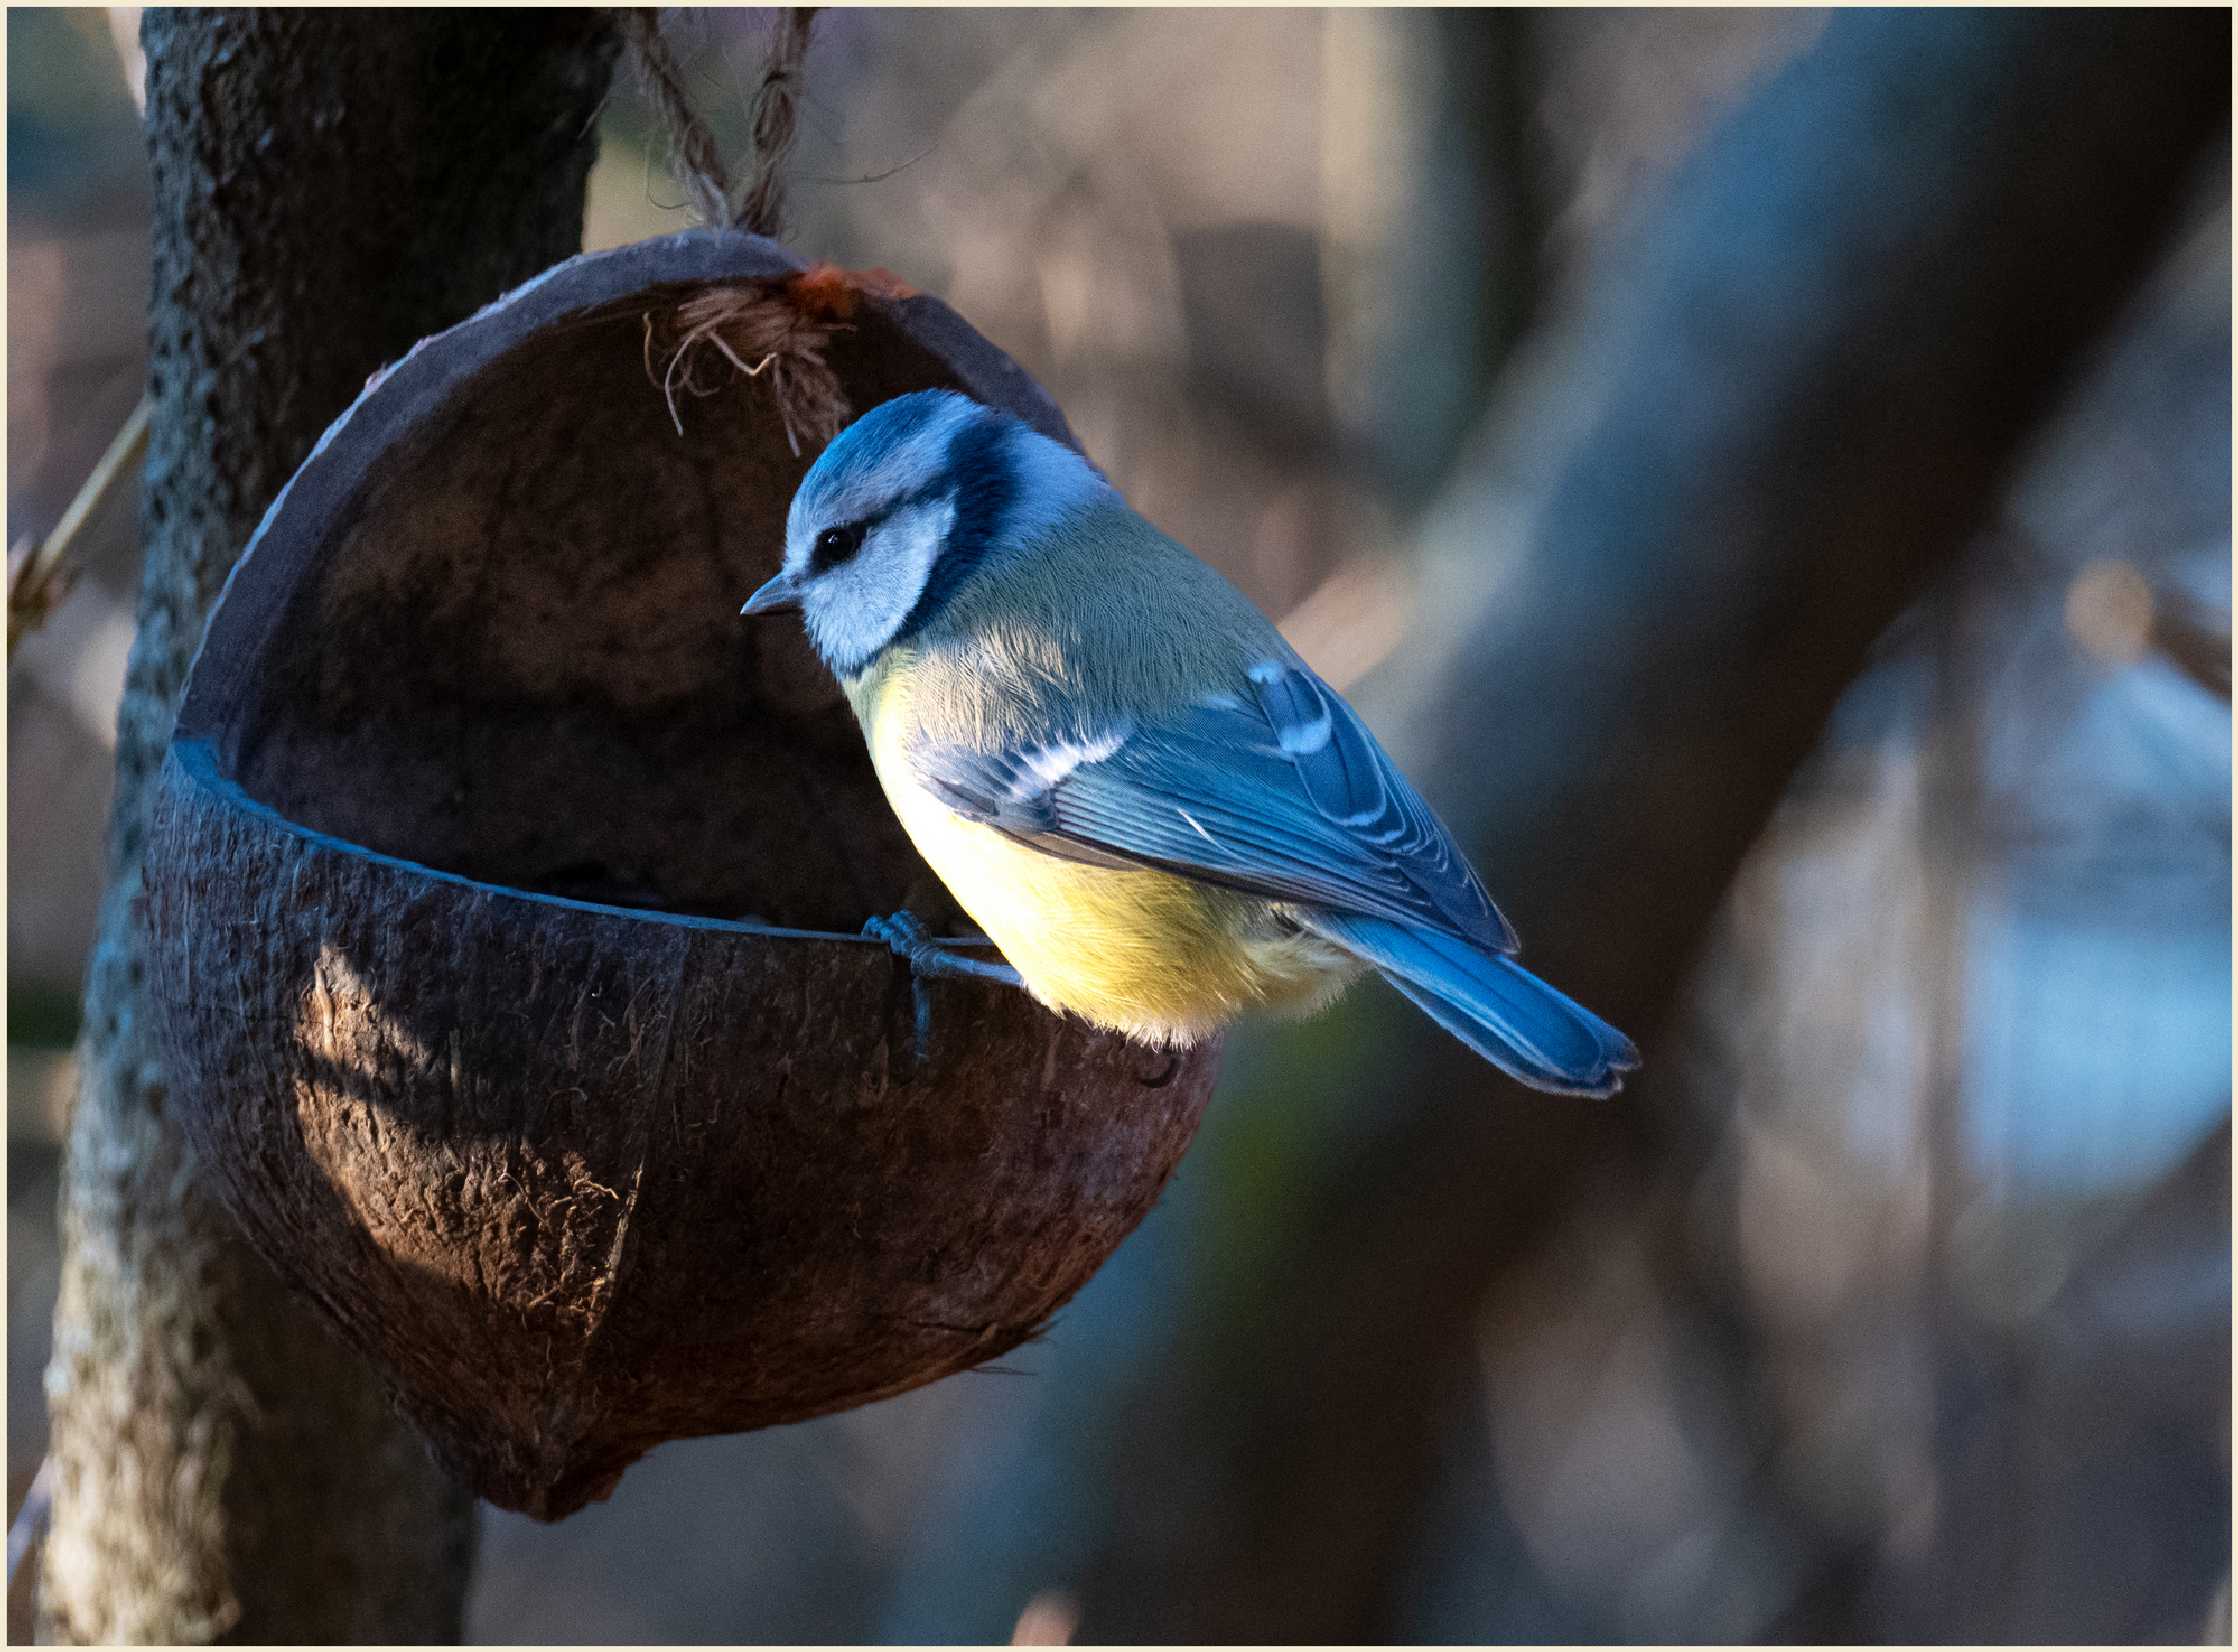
{"type": "Point", "coordinates": [906, 507]}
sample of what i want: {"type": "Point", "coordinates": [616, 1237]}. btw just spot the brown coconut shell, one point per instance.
{"type": "Point", "coordinates": [503, 898]}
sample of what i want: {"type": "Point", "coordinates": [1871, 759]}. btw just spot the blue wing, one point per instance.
{"type": "Point", "coordinates": [1279, 791]}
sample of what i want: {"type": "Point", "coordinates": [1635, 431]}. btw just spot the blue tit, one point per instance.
{"type": "Point", "coordinates": [1134, 786]}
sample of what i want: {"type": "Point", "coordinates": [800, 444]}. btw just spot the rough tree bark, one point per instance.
{"type": "Point", "coordinates": [328, 187]}
{"type": "Point", "coordinates": [1813, 373]}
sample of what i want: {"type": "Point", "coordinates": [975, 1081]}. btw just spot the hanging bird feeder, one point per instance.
{"type": "Point", "coordinates": [504, 893]}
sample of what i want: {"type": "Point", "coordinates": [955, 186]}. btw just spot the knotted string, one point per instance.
{"type": "Point", "coordinates": [772, 127]}
{"type": "Point", "coordinates": [773, 333]}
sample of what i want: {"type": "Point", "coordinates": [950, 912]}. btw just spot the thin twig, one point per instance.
{"type": "Point", "coordinates": [44, 576]}
{"type": "Point", "coordinates": [31, 1519]}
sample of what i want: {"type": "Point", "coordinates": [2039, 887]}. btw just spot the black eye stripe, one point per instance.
{"type": "Point", "coordinates": [981, 479]}
{"type": "Point", "coordinates": [835, 545]}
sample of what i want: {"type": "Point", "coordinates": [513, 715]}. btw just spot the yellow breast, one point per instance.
{"type": "Point", "coordinates": [1158, 957]}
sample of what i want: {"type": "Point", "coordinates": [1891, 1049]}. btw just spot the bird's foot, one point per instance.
{"type": "Point", "coordinates": [905, 933]}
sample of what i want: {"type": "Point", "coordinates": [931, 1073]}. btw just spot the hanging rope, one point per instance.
{"type": "Point", "coordinates": [770, 333]}
{"type": "Point", "coordinates": [772, 127]}
{"type": "Point", "coordinates": [693, 157]}
{"type": "Point", "coordinates": [776, 122]}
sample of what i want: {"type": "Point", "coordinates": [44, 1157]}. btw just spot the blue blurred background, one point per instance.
{"type": "Point", "coordinates": [1925, 1330]}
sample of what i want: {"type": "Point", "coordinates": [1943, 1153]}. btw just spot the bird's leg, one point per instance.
{"type": "Point", "coordinates": [905, 933]}
{"type": "Point", "coordinates": [927, 958]}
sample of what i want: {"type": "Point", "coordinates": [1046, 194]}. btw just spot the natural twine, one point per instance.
{"type": "Point", "coordinates": [773, 125]}
{"type": "Point", "coordinates": [771, 332]}
{"type": "Point", "coordinates": [776, 121]}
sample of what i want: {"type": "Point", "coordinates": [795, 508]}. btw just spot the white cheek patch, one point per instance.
{"type": "Point", "coordinates": [854, 610]}
{"type": "Point", "coordinates": [870, 489]}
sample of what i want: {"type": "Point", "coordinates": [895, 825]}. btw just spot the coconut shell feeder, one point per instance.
{"type": "Point", "coordinates": [504, 893]}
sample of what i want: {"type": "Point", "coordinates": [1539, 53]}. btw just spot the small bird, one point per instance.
{"type": "Point", "coordinates": [1120, 770]}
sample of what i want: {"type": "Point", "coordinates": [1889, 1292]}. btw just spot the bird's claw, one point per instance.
{"type": "Point", "coordinates": [904, 933]}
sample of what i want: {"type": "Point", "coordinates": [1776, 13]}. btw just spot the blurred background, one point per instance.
{"type": "Point", "coordinates": [1915, 1324]}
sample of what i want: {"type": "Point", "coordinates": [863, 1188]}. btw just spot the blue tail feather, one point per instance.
{"type": "Point", "coordinates": [1492, 1004]}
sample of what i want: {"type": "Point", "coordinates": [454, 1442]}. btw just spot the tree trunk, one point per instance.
{"type": "Point", "coordinates": [1431, 225]}
{"type": "Point", "coordinates": [329, 186]}
{"type": "Point", "coordinates": [1810, 379]}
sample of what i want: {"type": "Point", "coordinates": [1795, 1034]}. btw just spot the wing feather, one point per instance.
{"type": "Point", "coordinates": [1278, 791]}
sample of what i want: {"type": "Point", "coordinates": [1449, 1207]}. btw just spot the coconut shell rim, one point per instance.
{"type": "Point", "coordinates": [195, 758]}
{"type": "Point", "coordinates": [297, 527]}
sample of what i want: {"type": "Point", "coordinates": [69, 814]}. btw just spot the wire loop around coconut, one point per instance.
{"type": "Point", "coordinates": [503, 898]}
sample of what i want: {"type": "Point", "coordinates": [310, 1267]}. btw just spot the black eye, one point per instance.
{"type": "Point", "coordinates": [836, 545]}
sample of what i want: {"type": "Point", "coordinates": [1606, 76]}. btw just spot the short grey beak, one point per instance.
{"type": "Point", "coordinates": [779, 596]}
